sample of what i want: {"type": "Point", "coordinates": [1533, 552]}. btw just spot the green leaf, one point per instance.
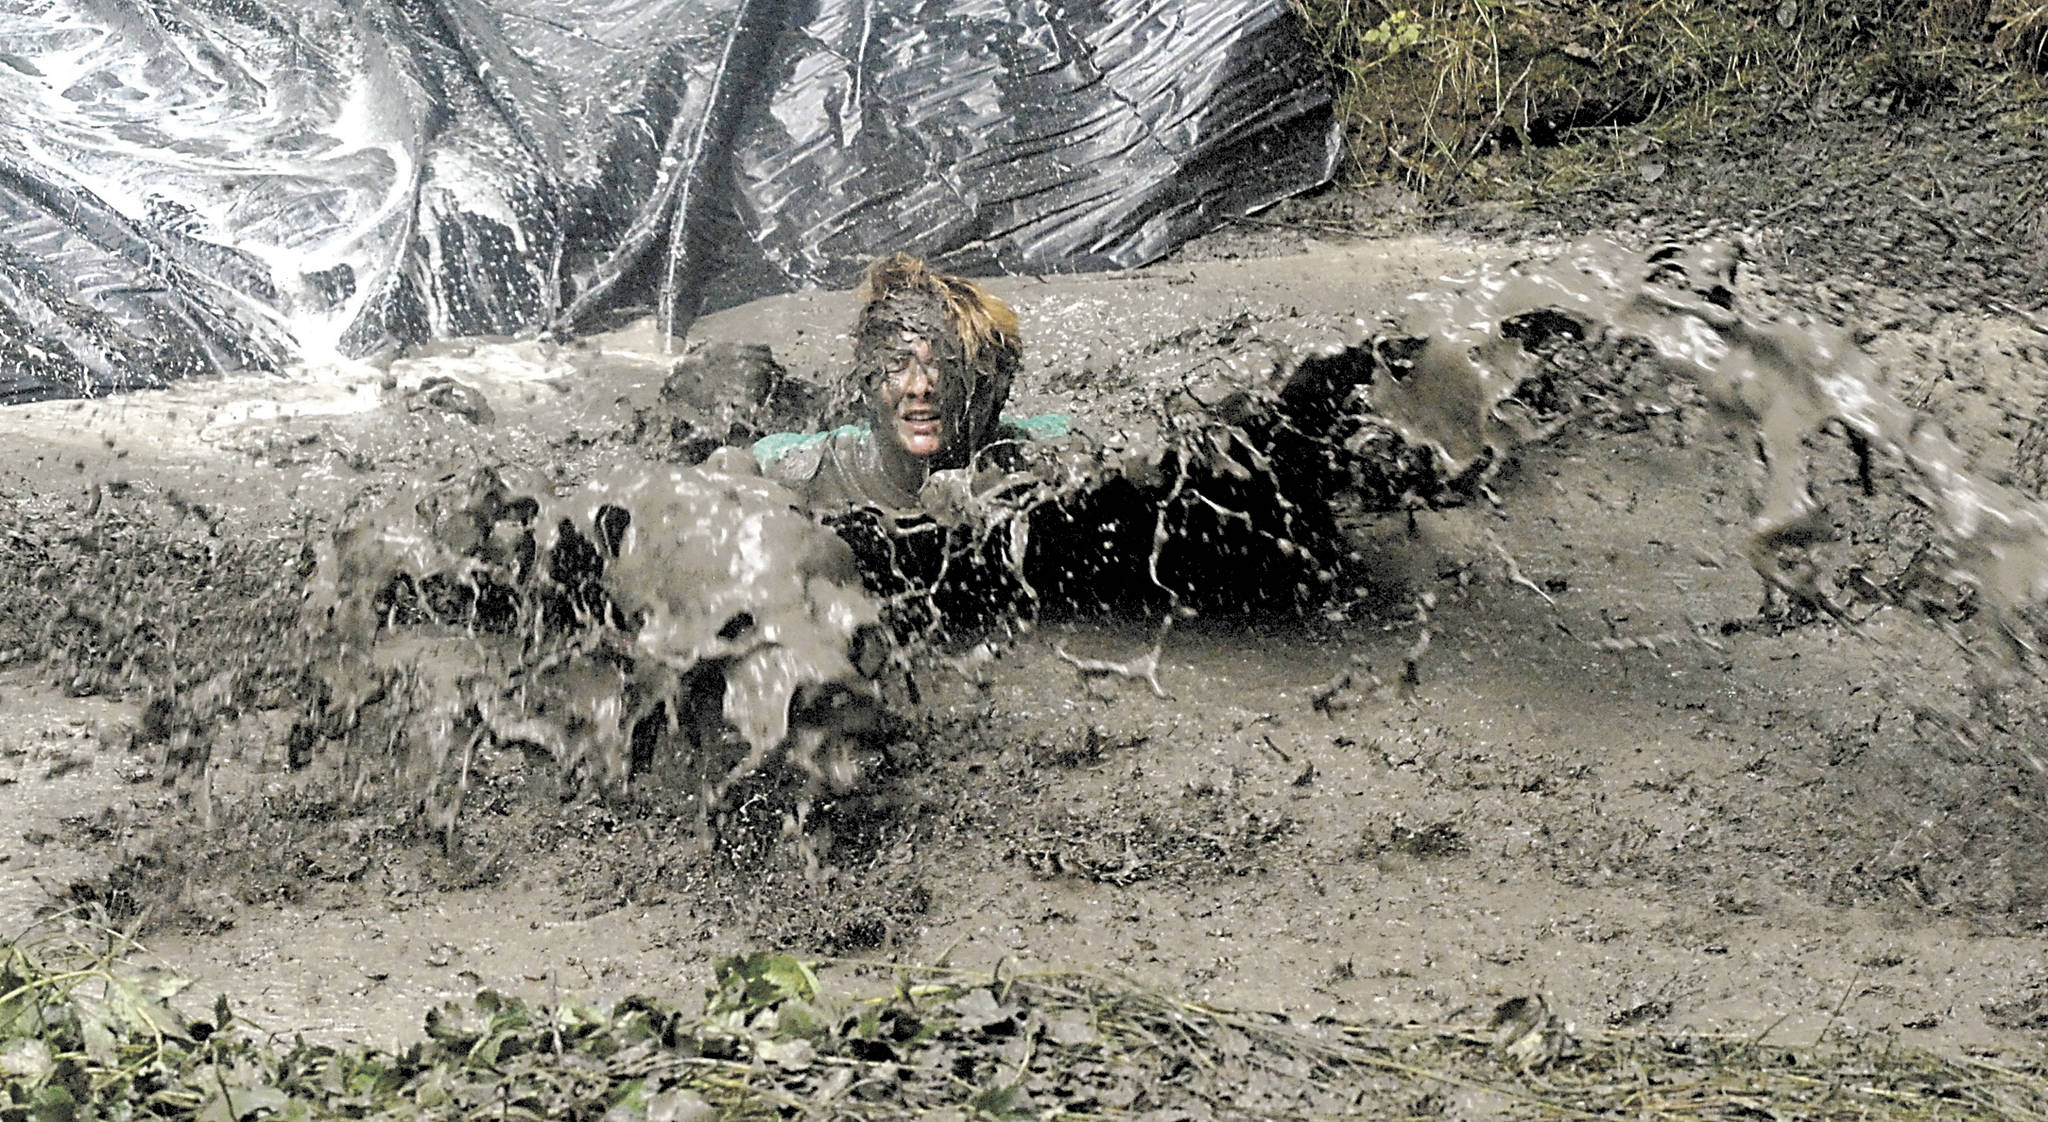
{"type": "Point", "coordinates": [433, 1091]}
{"type": "Point", "coordinates": [629, 1104]}
{"type": "Point", "coordinates": [793, 976]}
{"type": "Point", "coordinates": [101, 1045]}
{"type": "Point", "coordinates": [447, 1024]}
{"type": "Point", "coordinates": [20, 1014]}
{"type": "Point", "coordinates": [144, 1012]}
{"type": "Point", "coordinates": [754, 982]}
{"type": "Point", "coordinates": [575, 1015]}
{"type": "Point", "coordinates": [800, 1020]}
{"type": "Point", "coordinates": [53, 1104]}
{"type": "Point", "coordinates": [633, 1025]}
{"type": "Point", "coordinates": [870, 1023]}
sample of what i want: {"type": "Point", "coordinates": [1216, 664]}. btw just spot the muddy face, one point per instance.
{"type": "Point", "coordinates": [918, 398]}
{"type": "Point", "coordinates": [910, 400]}
{"type": "Point", "coordinates": [920, 387]}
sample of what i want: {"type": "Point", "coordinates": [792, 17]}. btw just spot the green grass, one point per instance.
{"type": "Point", "coordinates": [1464, 100]}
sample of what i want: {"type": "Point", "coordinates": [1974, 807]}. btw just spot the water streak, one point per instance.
{"type": "Point", "coordinates": [1780, 381]}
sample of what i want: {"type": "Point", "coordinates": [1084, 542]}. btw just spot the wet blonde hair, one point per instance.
{"type": "Point", "coordinates": [981, 319]}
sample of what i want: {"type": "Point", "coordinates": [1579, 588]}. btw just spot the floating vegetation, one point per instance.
{"type": "Point", "coordinates": [86, 1034]}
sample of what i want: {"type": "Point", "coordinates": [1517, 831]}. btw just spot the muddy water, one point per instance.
{"type": "Point", "coordinates": [648, 619]}
{"type": "Point", "coordinates": [1456, 817]}
{"type": "Point", "coordinates": [1778, 382]}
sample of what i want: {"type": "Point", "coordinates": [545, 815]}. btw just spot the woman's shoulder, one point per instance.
{"type": "Point", "coordinates": [1041, 426]}
{"type": "Point", "coordinates": [797, 456]}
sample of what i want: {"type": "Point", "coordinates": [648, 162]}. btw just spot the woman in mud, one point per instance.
{"type": "Point", "coordinates": [934, 356]}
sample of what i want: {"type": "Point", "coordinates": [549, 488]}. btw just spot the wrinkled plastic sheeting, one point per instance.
{"type": "Point", "coordinates": [201, 185]}
{"type": "Point", "coordinates": [1027, 137]}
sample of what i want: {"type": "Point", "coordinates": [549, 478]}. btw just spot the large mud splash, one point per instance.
{"type": "Point", "coordinates": [1778, 382]}
{"type": "Point", "coordinates": [692, 626]}
{"type": "Point", "coordinates": [690, 621]}
{"type": "Point", "coordinates": [1426, 415]}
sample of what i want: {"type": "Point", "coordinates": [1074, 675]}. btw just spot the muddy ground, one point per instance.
{"type": "Point", "coordinates": [1746, 822]}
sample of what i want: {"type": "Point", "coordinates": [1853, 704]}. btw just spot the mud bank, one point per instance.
{"type": "Point", "coordinates": [1609, 777]}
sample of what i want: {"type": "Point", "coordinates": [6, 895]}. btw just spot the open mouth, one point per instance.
{"type": "Point", "coordinates": [919, 427]}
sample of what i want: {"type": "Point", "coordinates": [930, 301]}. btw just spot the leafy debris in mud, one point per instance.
{"type": "Point", "coordinates": [1434, 839]}
{"type": "Point", "coordinates": [2024, 1012]}
{"type": "Point", "coordinates": [85, 1033]}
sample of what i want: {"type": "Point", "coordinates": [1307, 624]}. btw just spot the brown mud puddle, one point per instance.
{"type": "Point", "coordinates": [1612, 781]}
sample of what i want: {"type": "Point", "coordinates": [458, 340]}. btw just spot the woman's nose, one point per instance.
{"type": "Point", "coordinates": [917, 380]}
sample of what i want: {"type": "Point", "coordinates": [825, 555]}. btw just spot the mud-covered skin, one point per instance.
{"type": "Point", "coordinates": [688, 620]}
{"type": "Point", "coordinates": [959, 334]}
{"type": "Point", "coordinates": [933, 359]}
{"type": "Point", "coordinates": [910, 398]}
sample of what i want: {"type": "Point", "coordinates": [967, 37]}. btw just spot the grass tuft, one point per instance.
{"type": "Point", "coordinates": [1443, 96]}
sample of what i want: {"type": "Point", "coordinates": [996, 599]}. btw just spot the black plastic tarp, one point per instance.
{"type": "Point", "coordinates": [190, 186]}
